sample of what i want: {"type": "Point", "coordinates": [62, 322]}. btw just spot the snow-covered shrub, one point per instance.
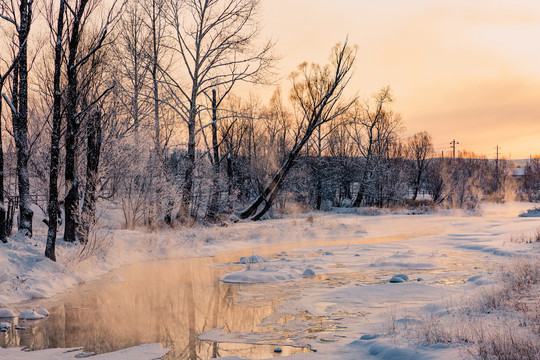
{"type": "Point", "coordinates": [528, 238]}
{"type": "Point", "coordinates": [500, 322]}
{"type": "Point", "coordinates": [506, 343]}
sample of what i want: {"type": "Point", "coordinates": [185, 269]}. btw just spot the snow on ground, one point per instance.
{"type": "Point", "coordinates": [356, 307]}
{"type": "Point", "coordinates": [438, 252]}
{"type": "Point", "coordinates": [142, 352]}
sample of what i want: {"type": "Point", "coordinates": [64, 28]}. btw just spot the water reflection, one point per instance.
{"type": "Point", "coordinates": [173, 301]}
{"type": "Point", "coordinates": [170, 302]}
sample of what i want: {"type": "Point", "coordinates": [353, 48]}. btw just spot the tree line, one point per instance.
{"type": "Point", "coordinates": [133, 103]}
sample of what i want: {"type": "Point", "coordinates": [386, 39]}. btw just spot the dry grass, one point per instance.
{"type": "Point", "coordinates": [528, 238]}
{"type": "Point", "coordinates": [499, 322]}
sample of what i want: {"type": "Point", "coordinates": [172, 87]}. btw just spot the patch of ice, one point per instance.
{"type": "Point", "coordinates": [399, 278]}
{"type": "Point", "coordinates": [4, 327]}
{"type": "Point", "coordinates": [117, 278]}
{"type": "Point", "coordinates": [30, 315]}
{"type": "Point", "coordinates": [43, 312]}
{"type": "Point", "coordinates": [256, 276]}
{"type": "Point", "coordinates": [6, 313]}
{"type": "Point", "coordinates": [141, 352]}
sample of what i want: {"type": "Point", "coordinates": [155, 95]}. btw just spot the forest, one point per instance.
{"type": "Point", "coordinates": [143, 105]}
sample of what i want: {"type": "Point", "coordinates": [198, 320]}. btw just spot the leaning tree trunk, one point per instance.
{"type": "Point", "coordinates": [270, 192]}
{"type": "Point", "coordinates": [92, 166]}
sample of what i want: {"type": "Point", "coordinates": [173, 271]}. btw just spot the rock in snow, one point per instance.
{"type": "Point", "coordinates": [6, 313]}
{"type": "Point", "coordinates": [399, 278]}
{"type": "Point", "coordinates": [43, 312]}
{"type": "Point", "coordinates": [253, 259]}
{"type": "Point", "coordinates": [308, 273]}
{"type": "Point", "coordinates": [30, 315]}
{"type": "Point", "coordinates": [4, 327]}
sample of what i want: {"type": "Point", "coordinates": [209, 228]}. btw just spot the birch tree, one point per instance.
{"type": "Point", "coordinates": [3, 219]}
{"type": "Point", "coordinates": [72, 30]}
{"type": "Point", "coordinates": [77, 58]}
{"type": "Point", "coordinates": [21, 18]}
{"type": "Point", "coordinates": [52, 206]}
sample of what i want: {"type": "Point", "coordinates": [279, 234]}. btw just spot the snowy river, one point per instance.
{"type": "Point", "coordinates": [167, 301]}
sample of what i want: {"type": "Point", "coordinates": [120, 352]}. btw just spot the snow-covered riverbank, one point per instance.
{"type": "Point", "coordinates": [454, 254]}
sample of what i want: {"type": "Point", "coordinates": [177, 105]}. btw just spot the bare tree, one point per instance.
{"type": "Point", "coordinates": [93, 152]}
{"type": "Point", "coordinates": [74, 111]}
{"type": "Point", "coordinates": [21, 19]}
{"type": "Point", "coordinates": [420, 147]}
{"type": "Point", "coordinates": [75, 45]}
{"type": "Point", "coordinates": [52, 207]}
{"type": "Point", "coordinates": [372, 128]}
{"type": "Point", "coordinates": [154, 22]}
{"type": "Point", "coordinates": [3, 219]}
{"type": "Point", "coordinates": [131, 70]}
{"type": "Point", "coordinates": [316, 91]}
{"type": "Point", "coordinates": [214, 41]}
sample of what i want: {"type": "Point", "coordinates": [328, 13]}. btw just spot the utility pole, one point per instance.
{"type": "Point", "coordinates": [453, 143]}
{"type": "Point", "coordinates": [497, 171]}
{"type": "Point", "coordinates": [497, 160]}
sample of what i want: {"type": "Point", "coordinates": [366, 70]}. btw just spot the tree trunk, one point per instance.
{"type": "Point", "coordinates": [190, 166]}
{"type": "Point", "coordinates": [3, 235]}
{"type": "Point", "coordinates": [213, 207]}
{"type": "Point", "coordinates": [20, 120]}
{"type": "Point", "coordinates": [364, 179]}
{"type": "Point", "coordinates": [270, 192]}
{"type": "Point", "coordinates": [72, 186]}
{"type": "Point", "coordinates": [417, 185]}
{"type": "Point", "coordinates": [318, 201]}
{"type": "Point", "coordinates": [92, 167]}
{"type": "Point", "coordinates": [52, 207]}
{"type": "Point", "coordinates": [157, 141]}
{"type": "Point", "coordinates": [71, 203]}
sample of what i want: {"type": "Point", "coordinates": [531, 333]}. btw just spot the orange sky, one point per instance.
{"type": "Point", "coordinates": [462, 69]}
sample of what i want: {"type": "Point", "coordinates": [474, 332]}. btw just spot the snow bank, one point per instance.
{"type": "Point", "coordinates": [363, 252]}
{"type": "Point", "coordinates": [141, 352]}
{"type": "Point", "coordinates": [30, 315]}
{"type": "Point", "coordinates": [531, 213]}
{"type": "Point", "coordinates": [257, 276]}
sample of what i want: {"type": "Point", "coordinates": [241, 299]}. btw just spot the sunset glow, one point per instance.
{"type": "Point", "coordinates": [461, 69]}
